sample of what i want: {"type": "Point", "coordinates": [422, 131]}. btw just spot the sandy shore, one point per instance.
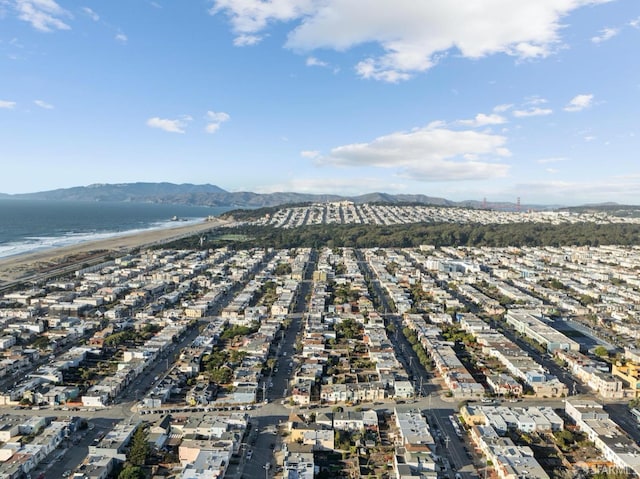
{"type": "Point", "coordinates": [15, 267]}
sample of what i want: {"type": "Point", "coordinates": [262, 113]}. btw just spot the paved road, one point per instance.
{"type": "Point", "coordinates": [74, 449]}
{"type": "Point", "coordinates": [263, 442]}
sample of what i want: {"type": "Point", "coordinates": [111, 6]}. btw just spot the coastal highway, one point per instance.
{"type": "Point", "coordinates": [67, 260]}
{"type": "Point", "coordinates": [48, 273]}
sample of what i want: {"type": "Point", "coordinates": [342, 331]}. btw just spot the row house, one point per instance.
{"type": "Point", "coordinates": [301, 392]}
{"type": "Point", "coordinates": [509, 460]}
{"type": "Point", "coordinates": [591, 373]}
{"type": "Point", "coordinates": [614, 444]}
{"type": "Point", "coordinates": [356, 420]}
{"type": "Point", "coordinates": [629, 373]}
{"type": "Point", "coordinates": [361, 392]}
{"type": "Point", "coordinates": [504, 385]}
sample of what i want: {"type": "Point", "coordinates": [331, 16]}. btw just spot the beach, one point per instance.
{"type": "Point", "coordinates": [14, 268]}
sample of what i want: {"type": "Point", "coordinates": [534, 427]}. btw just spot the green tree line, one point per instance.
{"type": "Point", "coordinates": [415, 234]}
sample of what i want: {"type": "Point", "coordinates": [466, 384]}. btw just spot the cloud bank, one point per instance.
{"type": "Point", "coordinates": [412, 35]}
{"type": "Point", "coordinates": [43, 15]}
{"type": "Point", "coordinates": [431, 153]}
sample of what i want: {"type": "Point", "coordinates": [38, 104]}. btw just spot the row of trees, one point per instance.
{"type": "Point", "coordinates": [130, 335]}
{"type": "Point", "coordinates": [422, 355]}
{"type": "Point", "coordinates": [137, 456]}
{"type": "Point", "coordinates": [415, 234]}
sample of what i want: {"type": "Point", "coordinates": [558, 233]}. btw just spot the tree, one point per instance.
{"type": "Point", "coordinates": [601, 352]}
{"type": "Point", "coordinates": [237, 330]}
{"type": "Point", "coordinates": [222, 375]}
{"type": "Point", "coordinates": [282, 269]}
{"type": "Point", "coordinates": [139, 449]}
{"type": "Point", "coordinates": [41, 342]}
{"type": "Point", "coordinates": [132, 472]}
{"type": "Point", "coordinates": [564, 438]}
{"type": "Point", "coordinates": [150, 329]}
{"type": "Point", "coordinates": [236, 356]}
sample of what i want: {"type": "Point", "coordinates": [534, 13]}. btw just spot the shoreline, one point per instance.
{"type": "Point", "coordinates": [13, 268]}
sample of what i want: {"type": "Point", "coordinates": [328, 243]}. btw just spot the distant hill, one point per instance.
{"type": "Point", "coordinates": [133, 192]}
{"type": "Point", "coordinates": [387, 198]}
{"type": "Point", "coordinates": [211, 195]}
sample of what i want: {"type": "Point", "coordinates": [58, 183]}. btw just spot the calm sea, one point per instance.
{"type": "Point", "coordinates": [33, 225]}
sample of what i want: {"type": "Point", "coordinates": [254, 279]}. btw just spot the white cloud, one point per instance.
{"type": "Point", "coordinates": [412, 34]}
{"type": "Point", "coordinates": [43, 15]}
{"type": "Point", "coordinates": [43, 104]}
{"type": "Point", "coordinates": [484, 120]}
{"type": "Point", "coordinates": [502, 108]}
{"type": "Point", "coordinates": [635, 23]}
{"type": "Point", "coordinates": [579, 102]}
{"type": "Point", "coordinates": [544, 161]}
{"type": "Point", "coordinates": [252, 16]}
{"type": "Point", "coordinates": [214, 120]}
{"type": "Point", "coordinates": [246, 40]}
{"type": "Point", "coordinates": [535, 111]}
{"type": "Point", "coordinates": [535, 100]}
{"type": "Point", "coordinates": [310, 154]}
{"type": "Point", "coordinates": [605, 34]}
{"type": "Point", "coordinates": [314, 62]}
{"type": "Point", "coordinates": [121, 38]}
{"type": "Point", "coordinates": [91, 14]}
{"type": "Point", "coordinates": [431, 153]}
{"type": "Point", "coordinates": [172, 126]}
{"type": "Point", "coordinates": [7, 105]}
{"type": "Point", "coordinates": [370, 69]}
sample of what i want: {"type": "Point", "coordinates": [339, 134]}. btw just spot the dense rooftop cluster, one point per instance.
{"type": "Point", "coordinates": [197, 341]}
{"type": "Point", "coordinates": [346, 212]}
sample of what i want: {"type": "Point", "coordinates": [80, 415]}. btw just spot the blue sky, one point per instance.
{"type": "Point", "coordinates": [494, 99]}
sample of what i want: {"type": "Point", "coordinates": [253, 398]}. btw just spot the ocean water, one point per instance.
{"type": "Point", "coordinates": [33, 225]}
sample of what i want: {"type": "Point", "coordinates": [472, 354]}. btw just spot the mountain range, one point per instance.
{"type": "Point", "coordinates": [211, 195]}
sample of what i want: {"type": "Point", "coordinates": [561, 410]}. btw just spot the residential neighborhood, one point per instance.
{"type": "Point", "coordinates": [318, 362]}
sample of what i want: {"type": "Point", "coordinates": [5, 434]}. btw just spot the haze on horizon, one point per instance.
{"type": "Point", "coordinates": [495, 99]}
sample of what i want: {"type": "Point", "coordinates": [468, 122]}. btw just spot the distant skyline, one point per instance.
{"type": "Point", "coordinates": [494, 99]}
